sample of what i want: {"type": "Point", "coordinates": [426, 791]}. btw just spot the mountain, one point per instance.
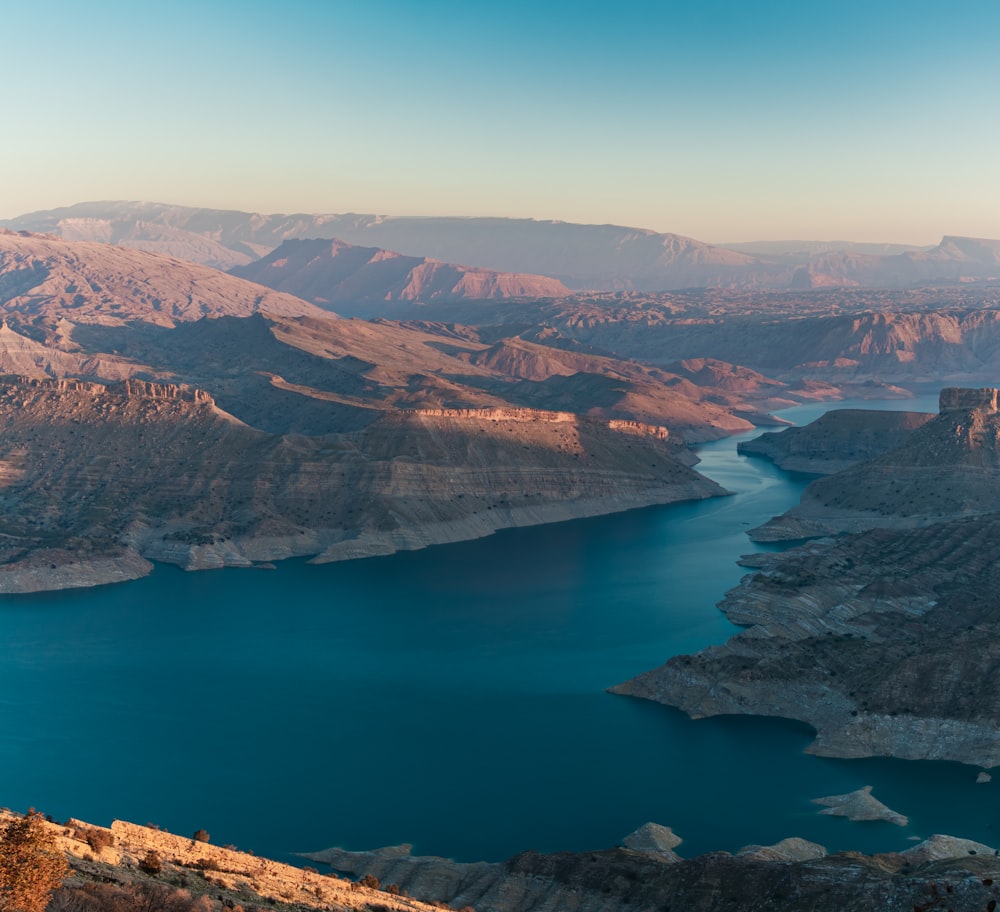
{"type": "Point", "coordinates": [358, 281]}
{"type": "Point", "coordinates": [837, 440]}
{"type": "Point", "coordinates": [799, 252]}
{"type": "Point", "coordinates": [46, 279]}
{"type": "Point", "coordinates": [596, 257]}
{"type": "Point", "coordinates": [581, 256]}
{"type": "Point", "coordinates": [156, 409]}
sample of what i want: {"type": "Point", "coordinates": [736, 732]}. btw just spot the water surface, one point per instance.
{"type": "Point", "coordinates": [452, 698]}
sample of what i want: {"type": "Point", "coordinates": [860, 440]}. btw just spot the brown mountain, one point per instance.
{"type": "Point", "coordinates": [358, 281]}
{"type": "Point", "coordinates": [581, 256]}
{"type": "Point", "coordinates": [274, 428]}
{"type": "Point", "coordinates": [838, 440]}
{"type": "Point", "coordinates": [98, 480]}
{"type": "Point", "coordinates": [46, 279]}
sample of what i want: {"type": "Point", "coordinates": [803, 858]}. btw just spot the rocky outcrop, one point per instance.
{"type": "Point", "coordinates": [220, 877]}
{"type": "Point", "coordinates": [860, 805]}
{"type": "Point", "coordinates": [95, 481]}
{"type": "Point", "coordinates": [793, 874]}
{"type": "Point", "coordinates": [943, 469]}
{"type": "Point", "coordinates": [836, 441]}
{"type": "Point", "coordinates": [884, 642]}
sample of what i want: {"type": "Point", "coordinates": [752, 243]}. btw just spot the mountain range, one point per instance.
{"type": "Point", "coordinates": [582, 257]}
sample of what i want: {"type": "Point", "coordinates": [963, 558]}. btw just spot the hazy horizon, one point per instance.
{"type": "Point", "coordinates": [720, 121]}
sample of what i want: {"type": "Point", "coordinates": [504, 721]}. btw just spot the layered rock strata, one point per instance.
{"type": "Point", "coordinates": [885, 642]}
{"type": "Point", "coordinates": [96, 481]}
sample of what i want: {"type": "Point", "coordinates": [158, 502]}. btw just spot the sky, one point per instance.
{"type": "Point", "coordinates": [723, 120]}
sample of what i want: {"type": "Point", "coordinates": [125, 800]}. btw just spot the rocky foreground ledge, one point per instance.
{"type": "Point", "coordinates": [646, 873]}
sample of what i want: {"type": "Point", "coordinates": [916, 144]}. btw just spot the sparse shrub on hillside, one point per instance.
{"type": "Point", "coordinates": [95, 838]}
{"type": "Point", "coordinates": [148, 897]}
{"type": "Point", "coordinates": [151, 862]}
{"type": "Point", "coordinates": [201, 836]}
{"type": "Point", "coordinates": [370, 881]}
{"type": "Point", "coordinates": [31, 866]}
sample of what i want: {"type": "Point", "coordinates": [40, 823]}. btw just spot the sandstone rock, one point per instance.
{"type": "Point", "coordinates": [792, 848]}
{"type": "Point", "coordinates": [652, 837]}
{"type": "Point", "coordinates": [940, 848]}
{"type": "Point", "coordinates": [860, 805]}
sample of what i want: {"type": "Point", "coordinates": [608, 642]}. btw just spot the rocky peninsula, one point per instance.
{"type": "Point", "coordinates": [885, 642]}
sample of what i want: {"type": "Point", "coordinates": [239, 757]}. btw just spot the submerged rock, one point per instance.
{"type": "Point", "coordinates": [860, 805]}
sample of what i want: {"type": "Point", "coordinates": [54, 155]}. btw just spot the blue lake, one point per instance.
{"type": "Point", "coordinates": [452, 698]}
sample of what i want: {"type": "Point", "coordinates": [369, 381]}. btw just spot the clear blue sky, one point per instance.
{"type": "Point", "coordinates": [724, 120]}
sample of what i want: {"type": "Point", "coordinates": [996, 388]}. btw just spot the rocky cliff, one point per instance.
{"type": "Point", "coordinates": [946, 468]}
{"type": "Point", "coordinates": [884, 642]}
{"type": "Point", "coordinates": [792, 875]}
{"type": "Point", "coordinates": [97, 480]}
{"type": "Point", "coordinates": [835, 441]}
{"type": "Point", "coordinates": [121, 861]}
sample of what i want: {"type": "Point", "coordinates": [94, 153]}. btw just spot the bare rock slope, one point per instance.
{"type": "Point", "coordinates": [97, 480]}
{"type": "Point", "coordinates": [793, 874]}
{"type": "Point", "coordinates": [837, 440]}
{"type": "Point", "coordinates": [946, 468]}
{"type": "Point", "coordinates": [358, 281]}
{"type": "Point", "coordinates": [885, 641]}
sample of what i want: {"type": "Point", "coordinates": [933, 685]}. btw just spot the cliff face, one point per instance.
{"type": "Point", "coordinates": [96, 480]}
{"type": "Point", "coordinates": [946, 468]}
{"type": "Point", "coordinates": [885, 642]}
{"type": "Point", "coordinates": [836, 441]}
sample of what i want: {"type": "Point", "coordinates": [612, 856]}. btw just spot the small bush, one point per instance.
{"type": "Point", "coordinates": [96, 839]}
{"type": "Point", "coordinates": [151, 863]}
{"type": "Point", "coordinates": [201, 836]}
{"type": "Point", "coordinates": [31, 865]}
{"type": "Point", "coordinates": [370, 881]}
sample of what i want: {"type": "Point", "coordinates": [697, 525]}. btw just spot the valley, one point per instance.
{"type": "Point", "coordinates": [330, 401]}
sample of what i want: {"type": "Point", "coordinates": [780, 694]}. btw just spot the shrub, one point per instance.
{"type": "Point", "coordinates": [31, 866]}
{"type": "Point", "coordinates": [151, 862]}
{"type": "Point", "coordinates": [201, 836]}
{"type": "Point", "coordinates": [97, 839]}
{"type": "Point", "coordinates": [370, 881]}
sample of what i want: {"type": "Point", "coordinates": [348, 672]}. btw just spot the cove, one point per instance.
{"type": "Point", "coordinates": [452, 698]}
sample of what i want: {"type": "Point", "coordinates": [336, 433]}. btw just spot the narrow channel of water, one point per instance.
{"type": "Point", "coordinates": [452, 698]}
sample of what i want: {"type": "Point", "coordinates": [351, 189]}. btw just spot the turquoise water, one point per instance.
{"type": "Point", "coordinates": [452, 698]}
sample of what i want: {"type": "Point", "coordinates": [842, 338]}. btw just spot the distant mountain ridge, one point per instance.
{"type": "Point", "coordinates": [593, 257]}
{"type": "Point", "coordinates": [350, 279]}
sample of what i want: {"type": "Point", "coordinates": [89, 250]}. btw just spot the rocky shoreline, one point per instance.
{"type": "Point", "coordinates": [884, 641]}
{"type": "Point", "coordinates": [140, 472]}
{"type": "Point", "coordinates": [646, 873]}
